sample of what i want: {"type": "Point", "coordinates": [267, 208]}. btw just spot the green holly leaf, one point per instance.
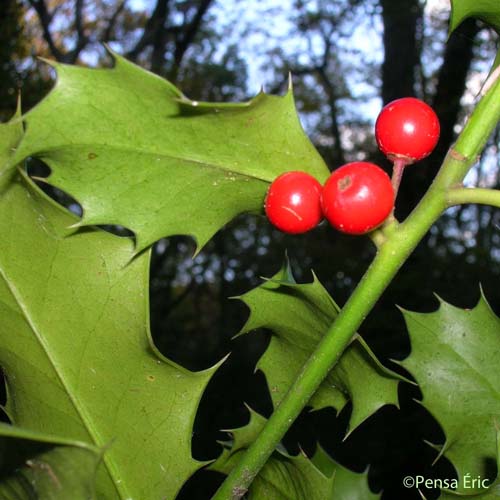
{"type": "Point", "coordinates": [11, 134]}
{"type": "Point", "coordinates": [486, 10]}
{"type": "Point", "coordinates": [34, 465]}
{"type": "Point", "coordinates": [492, 492]}
{"type": "Point", "coordinates": [286, 477]}
{"type": "Point", "coordinates": [76, 349]}
{"type": "Point", "coordinates": [454, 359]}
{"type": "Point", "coordinates": [296, 478]}
{"type": "Point", "coordinates": [135, 152]}
{"type": "Point", "coordinates": [242, 438]}
{"type": "Point", "coordinates": [298, 316]}
{"type": "Point", "coordinates": [318, 478]}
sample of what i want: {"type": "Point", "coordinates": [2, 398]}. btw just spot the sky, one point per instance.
{"type": "Point", "coordinates": [270, 32]}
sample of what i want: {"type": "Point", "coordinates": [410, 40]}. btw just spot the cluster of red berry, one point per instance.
{"type": "Point", "coordinates": [358, 196]}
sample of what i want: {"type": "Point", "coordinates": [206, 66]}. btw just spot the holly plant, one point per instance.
{"type": "Point", "coordinates": [96, 411]}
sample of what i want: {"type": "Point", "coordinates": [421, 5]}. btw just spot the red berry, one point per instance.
{"type": "Point", "coordinates": [293, 202]}
{"type": "Point", "coordinates": [407, 128]}
{"type": "Point", "coordinates": [357, 197]}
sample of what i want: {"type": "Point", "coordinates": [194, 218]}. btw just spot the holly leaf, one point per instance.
{"type": "Point", "coordinates": [486, 10]}
{"type": "Point", "coordinates": [318, 478]}
{"type": "Point", "coordinates": [242, 438]}
{"type": "Point", "coordinates": [136, 152]}
{"type": "Point", "coordinates": [298, 316]}
{"type": "Point", "coordinates": [454, 359]}
{"type": "Point", "coordinates": [76, 349]}
{"type": "Point", "coordinates": [286, 477]}
{"type": "Point", "coordinates": [491, 493]}
{"type": "Point", "coordinates": [35, 465]}
{"type": "Point", "coordinates": [11, 134]}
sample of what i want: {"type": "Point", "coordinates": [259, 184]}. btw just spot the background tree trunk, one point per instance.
{"type": "Point", "coordinates": [402, 61]}
{"type": "Point", "coordinates": [402, 27]}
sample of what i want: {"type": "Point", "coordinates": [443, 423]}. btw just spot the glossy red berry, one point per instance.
{"type": "Point", "coordinates": [357, 197]}
{"type": "Point", "coordinates": [407, 128]}
{"type": "Point", "coordinates": [293, 202]}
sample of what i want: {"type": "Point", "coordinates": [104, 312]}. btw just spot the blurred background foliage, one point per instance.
{"type": "Point", "coordinates": [347, 58]}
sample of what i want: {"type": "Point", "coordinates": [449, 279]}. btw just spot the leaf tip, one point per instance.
{"type": "Point", "coordinates": [441, 449]}
{"type": "Point", "coordinates": [244, 330]}
{"type": "Point", "coordinates": [116, 58]}
{"type": "Point", "coordinates": [18, 113]}
{"type": "Point", "coordinates": [108, 49]}
{"type": "Point", "coordinates": [439, 298]}
{"type": "Point", "coordinates": [402, 310]}
{"type": "Point", "coordinates": [50, 62]}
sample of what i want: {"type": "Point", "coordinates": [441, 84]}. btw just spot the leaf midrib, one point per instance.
{"type": "Point", "coordinates": [86, 420]}
{"type": "Point", "coordinates": [46, 154]}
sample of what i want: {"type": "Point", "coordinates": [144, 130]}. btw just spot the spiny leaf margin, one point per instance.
{"type": "Point", "coordinates": [287, 477]}
{"type": "Point", "coordinates": [459, 348]}
{"type": "Point", "coordinates": [134, 151]}
{"type": "Point", "coordinates": [298, 315]}
{"type": "Point", "coordinates": [93, 374]}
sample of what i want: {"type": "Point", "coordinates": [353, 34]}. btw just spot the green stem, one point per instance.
{"type": "Point", "coordinates": [460, 196]}
{"type": "Point", "coordinates": [380, 273]}
{"type": "Point", "coordinates": [390, 257]}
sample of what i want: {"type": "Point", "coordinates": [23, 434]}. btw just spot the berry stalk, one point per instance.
{"type": "Point", "coordinates": [397, 174]}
